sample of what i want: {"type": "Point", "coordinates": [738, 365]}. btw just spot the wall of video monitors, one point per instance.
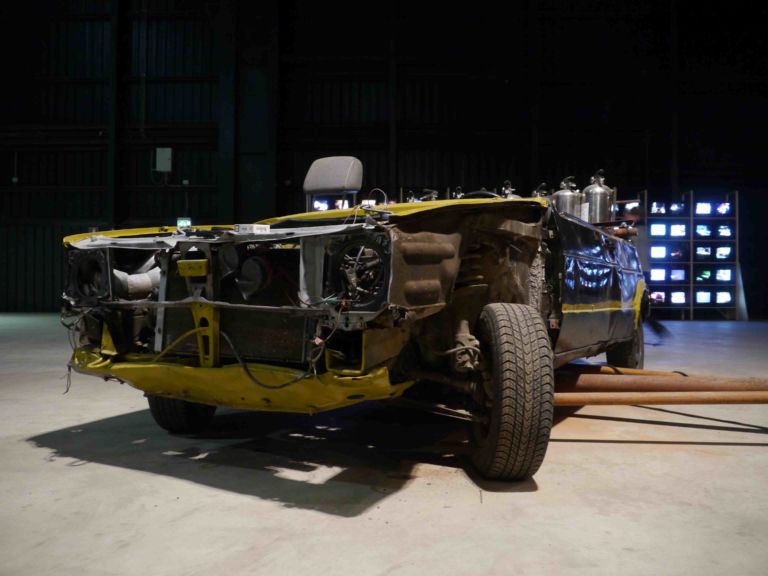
{"type": "Point", "coordinates": [693, 257]}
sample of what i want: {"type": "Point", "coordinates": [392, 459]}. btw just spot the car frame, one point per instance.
{"type": "Point", "coordinates": [471, 302]}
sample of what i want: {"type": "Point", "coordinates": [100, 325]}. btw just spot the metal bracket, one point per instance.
{"type": "Point", "coordinates": [207, 321]}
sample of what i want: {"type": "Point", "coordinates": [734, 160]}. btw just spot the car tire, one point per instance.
{"type": "Point", "coordinates": [629, 354]}
{"type": "Point", "coordinates": [515, 397]}
{"type": "Point", "coordinates": [180, 416]}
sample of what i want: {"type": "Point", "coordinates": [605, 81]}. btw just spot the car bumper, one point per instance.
{"type": "Point", "coordinates": [230, 386]}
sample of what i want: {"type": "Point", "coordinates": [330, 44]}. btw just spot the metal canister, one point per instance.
{"type": "Point", "coordinates": [600, 198]}
{"type": "Point", "coordinates": [568, 199]}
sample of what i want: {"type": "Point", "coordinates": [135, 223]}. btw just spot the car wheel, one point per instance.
{"type": "Point", "coordinates": [515, 396]}
{"type": "Point", "coordinates": [629, 354]}
{"type": "Point", "coordinates": [180, 416]}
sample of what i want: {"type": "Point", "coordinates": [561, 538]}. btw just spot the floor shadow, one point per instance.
{"type": "Point", "coordinates": [662, 442]}
{"type": "Point", "coordinates": [743, 428]}
{"type": "Point", "coordinates": [699, 417]}
{"type": "Point", "coordinates": [339, 463]}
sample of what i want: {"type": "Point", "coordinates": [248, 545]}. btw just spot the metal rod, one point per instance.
{"type": "Point", "coordinates": [631, 398]}
{"type": "Point", "coordinates": [615, 370]}
{"type": "Point", "coordinates": [637, 383]}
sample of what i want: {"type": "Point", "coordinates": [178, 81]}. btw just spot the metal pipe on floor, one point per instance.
{"type": "Point", "coordinates": [603, 383]}
{"type": "Point", "coordinates": [616, 370]}
{"type": "Point", "coordinates": [631, 398]}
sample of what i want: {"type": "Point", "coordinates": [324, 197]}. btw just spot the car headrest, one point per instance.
{"type": "Point", "coordinates": [334, 174]}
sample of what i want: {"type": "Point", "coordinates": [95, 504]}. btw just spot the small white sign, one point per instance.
{"type": "Point", "coordinates": [163, 160]}
{"type": "Point", "coordinates": [252, 229]}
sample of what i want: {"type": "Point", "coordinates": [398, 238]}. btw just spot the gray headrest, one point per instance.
{"type": "Point", "coordinates": [334, 174]}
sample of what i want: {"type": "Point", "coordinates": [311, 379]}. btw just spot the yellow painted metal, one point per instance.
{"type": "Point", "coordinates": [230, 386]}
{"type": "Point", "coordinates": [131, 232]}
{"type": "Point", "coordinates": [606, 306]}
{"type": "Point", "coordinates": [638, 301]}
{"type": "Point", "coordinates": [405, 209]}
{"type": "Point", "coordinates": [108, 347]}
{"type": "Point", "coordinates": [207, 324]}
{"type": "Point", "coordinates": [192, 267]}
{"type": "Point", "coordinates": [611, 305]}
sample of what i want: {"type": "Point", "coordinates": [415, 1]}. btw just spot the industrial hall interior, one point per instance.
{"type": "Point", "coordinates": [293, 287]}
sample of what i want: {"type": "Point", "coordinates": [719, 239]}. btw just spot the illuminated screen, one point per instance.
{"type": "Point", "coordinates": [703, 275]}
{"type": "Point", "coordinates": [658, 208]}
{"type": "Point", "coordinates": [724, 231]}
{"type": "Point", "coordinates": [658, 274]}
{"type": "Point", "coordinates": [658, 251]}
{"type": "Point", "coordinates": [677, 275]}
{"type": "Point", "coordinates": [723, 275]}
{"type": "Point", "coordinates": [676, 253]}
{"type": "Point", "coordinates": [723, 297]}
{"type": "Point", "coordinates": [630, 206]}
{"type": "Point", "coordinates": [320, 205]}
{"type": "Point", "coordinates": [658, 297]}
{"type": "Point", "coordinates": [676, 207]}
{"type": "Point", "coordinates": [341, 204]}
{"type": "Point", "coordinates": [677, 230]}
{"type": "Point", "coordinates": [723, 252]}
{"type": "Point", "coordinates": [677, 297]}
{"type": "Point", "coordinates": [703, 230]}
{"type": "Point", "coordinates": [723, 208]}
{"type": "Point", "coordinates": [703, 208]}
{"type": "Point", "coordinates": [658, 229]}
{"type": "Point", "coordinates": [703, 251]}
{"type": "Point", "coordinates": [703, 297]}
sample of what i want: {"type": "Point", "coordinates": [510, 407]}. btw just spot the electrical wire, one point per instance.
{"type": "Point", "coordinates": [313, 360]}
{"type": "Point", "coordinates": [255, 380]}
{"type": "Point", "coordinates": [457, 349]}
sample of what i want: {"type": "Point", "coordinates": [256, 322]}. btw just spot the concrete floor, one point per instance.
{"type": "Point", "coordinates": [89, 484]}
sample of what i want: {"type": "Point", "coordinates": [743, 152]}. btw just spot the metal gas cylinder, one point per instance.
{"type": "Point", "coordinates": [600, 198]}
{"type": "Point", "coordinates": [568, 199]}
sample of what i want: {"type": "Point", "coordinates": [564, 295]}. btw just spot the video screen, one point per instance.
{"type": "Point", "coordinates": [677, 275]}
{"type": "Point", "coordinates": [703, 208]}
{"type": "Point", "coordinates": [658, 208]}
{"type": "Point", "coordinates": [703, 251]}
{"type": "Point", "coordinates": [703, 230]}
{"type": "Point", "coordinates": [676, 254]}
{"type": "Point", "coordinates": [325, 203]}
{"type": "Point", "coordinates": [723, 275]}
{"type": "Point", "coordinates": [658, 274]}
{"type": "Point", "coordinates": [677, 297]}
{"type": "Point", "coordinates": [658, 252]}
{"type": "Point", "coordinates": [723, 208]}
{"type": "Point", "coordinates": [658, 229]}
{"type": "Point", "coordinates": [724, 231]}
{"type": "Point", "coordinates": [703, 297]}
{"type": "Point", "coordinates": [629, 206]}
{"type": "Point", "coordinates": [723, 252]}
{"type": "Point", "coordinates": [723, 298]}
{"type": "Point", "coordinates": [703, 275]}
{"type": "Point", "coordinates": [676, 208]}
{"type": "Point", "coordinates": [677, 230]}
{"type": "Point", "coordinates": [658, 297]}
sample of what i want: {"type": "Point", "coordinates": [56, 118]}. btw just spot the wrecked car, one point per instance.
{"type": "Point", "coordinates": [471, 302]}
